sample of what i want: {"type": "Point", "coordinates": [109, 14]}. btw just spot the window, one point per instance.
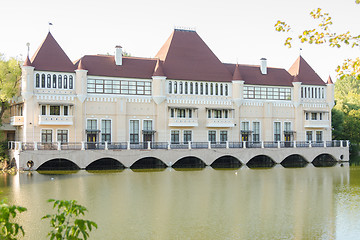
{"type": "Point", "coordinates": [307, 116]}
{"type": "Point", "coordinates": [54, 81]}
{"type": "Point", "coordinates": [196, 88]}
{"type": "Point", "coordinates": [212, 136]}
{"type": "Point", "coordinates": [309, 136]}
{"type": "Point", "coordinates": [147, 125]}
{"type": "Point", "coordinates": [175, 136]}
{"type": "Point", "coordinates": [313, 116]}
{"type": "Point", "coordinates": [277, 131]}
{"type": "Point", "coordinates": [43, 80]}
{"type": "Point", "coordinates": [65, 82]}
{"type": "Point", "coordinates": [217, 114]}
{"type": "Point", "coordinates": [54, 110]}
{"type": "Point", "coordinates": [180, 87]}
{"type": "Point", "coordinates": [71, 82]}
{"type": "Point", "coordinates": [287, 126]}
{"type": "Point", "coordinates": [245, 126]}
{"type": "Point", "coordinates": [191, 88]}
{"type": "Point", "coordinates": [106, 130]}
{"type": "Point", "coordinates": [66, 110]}
{"type": "Point", "coordinates": [172, 112]}
{"type": "Point", "coordinates": [209, 113]}
{"type": "Point", "coordinates": [46, 136]}
{"type": "Point", "coordinates": [190, 113]}
{"type": "Point", "coordinates": [216, 89]}
{"type": "Point", "coordinates": [59, 81]}
{"type": "Point", "coordinates": [201, 88]}
{"type": "Point", "coordinates": [187, 136]}
{"type": "Point", "coordinates": [221, 89]}
{"type": "Point", "coordinates": [37, 81]}
{"type": "Point", "coordinates": [320, 116]}
{"type": "Point", "coordinates": [256, 131]}
{"type": "Point", "coordinates": [48, 81]}
{"type": "Point", "coordinates": [170, 87]}
{"type": "Point", "coordinates": [120, 87]}
{"type": "Point", "coordinates": [91, 124]}
{"type": "Point", "coordinates": [211, 89]}
{"type": "Point", "coordinates": [206, 89]}
{"type": "Point", "coordinates": [186, 88]}
{"type": "Point", "coordinates": [181, 113]}
{"type": "Point", "coordinates": [223, 136]}
{"type": "Point", "coordinates": [43, 110]}
{"type": "Point", "coordinates": [319, 137]}
{"type": "Point", "coordinates": [175, 87]}
{"type": "Point", "coordinates": [134, 131]}
{"type": "Point", "coordinates": [226, 90]}
{"type": "Point", "coordinates": [226, 113]}
{"type": "Point", "coordinates": [62, 136]}
{"type": "Point", "coordinates": [272, 93]}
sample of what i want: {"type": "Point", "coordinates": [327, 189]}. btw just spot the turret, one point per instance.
{"type": "Point", "coordinates": [237, 86]}
{"type": "Point", "coordinates": [158, 83]}
{"type": "Point", "coordinates": [296, 98]}
{"type": "Point", "coordinates": [330, 92]}
{"type": "Point", "coordinates": [27, 79]}
{"type": "Point", "coordinates": [81, 81]}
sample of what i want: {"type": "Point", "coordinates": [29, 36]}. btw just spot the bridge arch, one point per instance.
{"type": "Point", "coordinates": [261, 161]}
{"type": "Point", "coordinates": [148, 163]}
{"type": "Point", "coordinates": [189, 162]}
{"type": "Point", "coordinates": [58, 164]}
{"type": "Point", "coordinates": [324, 160]}
{"type": "Point", "coordinates": [294, 160]}
{"type": "Point", "coordinates": [105, 164]}
{"type": "Point", "coordinates": [226, 161]}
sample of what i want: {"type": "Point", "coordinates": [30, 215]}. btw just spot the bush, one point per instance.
{"type": "Point", "coordinates": [8, 229]}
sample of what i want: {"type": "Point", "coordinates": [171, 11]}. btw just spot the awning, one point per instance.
{"type": "Point", "coordinates": [223, 108]}
{"type": "Point", "coordinates": [93, 131]}
{"type": "Point", "coordinates": [148, 131]}
{"type": "Point", "coordinates": [56, 103]}
{"type": "Point", "coordinates": [182, 107]}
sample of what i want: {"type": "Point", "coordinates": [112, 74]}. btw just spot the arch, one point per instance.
{"type": "Point", "coordinates": [189, 162]}
{"type": "Point", "coordinates": [48, 81]}
{"type": "Point", "coordinates": [226, 162]}
{"type": "Point", "coordinates": [324, 160]}
{"type": "Point", "coordinates": [148, 163]}
{"type": "Point", "coordinates": [261, 161]}
{"type": "Point", "coordinates": [170, 87]}
{"type": "Point", "coordinates": [65, 82]}
{"type": "Point", "coordinates": [293, 161]}
{"type": "Point", "coordinates": [58, 164]}
{"type": "Point", "coordinates": [71, 82]}
{"type": "Point", "coordinates": [37, 82]}
{"type": "Point", "coordinates": [43, 80]}
{"type": "Point", "coordinates": [54, 81]}
{"type": "Point", "coordinates": [60, 81]}
{"type": "Point", "coordinates": [105, 164]}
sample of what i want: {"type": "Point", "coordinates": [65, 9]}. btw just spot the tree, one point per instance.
{"type": "Point", "coordinates": [8, 229]}
{"type": "Point", "coordinates": [62, 223]}
{"type": "Point", "coordinates": [10, 74]}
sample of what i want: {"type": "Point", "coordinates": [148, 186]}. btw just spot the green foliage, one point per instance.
{"type": "Point", "coordinates": [63, 224]}
{"type": "Point", "coordinates": [10, 73]}
{"type": "Point", "coordinates": [8, 229]}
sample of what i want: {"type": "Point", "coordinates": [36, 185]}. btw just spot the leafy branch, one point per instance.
{"type": "Point", "coordinates": [8, 229]}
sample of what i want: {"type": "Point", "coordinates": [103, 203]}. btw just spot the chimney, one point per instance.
{"type": "Point", "coordinates": [118, 55]}
{"type": "Point", "coordinates": [263, 66]}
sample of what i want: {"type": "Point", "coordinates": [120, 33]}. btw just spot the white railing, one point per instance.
{"type": "Point", "coordinates": [183, 122]}
{"type": "Point", "coordinates": [220, 122]}
{"type": "Point", "coordinates": [17, 120]}
{"type": "Point", "coordinates": [55, 120]}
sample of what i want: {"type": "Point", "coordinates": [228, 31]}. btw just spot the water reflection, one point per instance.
{"type": "Point", "coordinates": [241, 203]}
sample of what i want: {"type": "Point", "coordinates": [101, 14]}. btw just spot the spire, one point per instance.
{"type": "Point", "coordinates": [237, 75]}
{"type": "Point", "coordinates": [27, 62]}
{"type": "Point", "coordinates": [296, 79]}
{"type": "Point", "coordinates": [81, 65]}
{"type": "Point", "coordinates": [158, 69]}
{"type": "Point", "coordinates": [329, 81]}
{"type": "Point", "coordinates": [305, 73]}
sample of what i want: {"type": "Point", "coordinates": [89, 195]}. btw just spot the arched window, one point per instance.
{"type": "Point", "coordinates": [48, 81]}
{"type": "Point", "coordinates": [201, 88]}
{"type": "Point", "coordinates": [315, 92]}
{"type": "Point", "coordinates": [180, 87]}
{"type": "Point", "coordinates": [211, 89]}
{"type": "Point", "coordinates": [226, 90]}
{"type": "Point", "coordinates": [196, 88]}
{"type": "Point", "coordinates": [54, 81]}
{"type": "Point", "coordinates": [71, 82]}
{"type": "Point", "coordinates": [175, 87]}
{"type": "Point", "coordinates": [186, 88]}
{"type": "Point", "coordinates": [302, 92]}
{"type": "Point", "coordinates": [170, 87]}
{"type": "Point", "coordinates": [43, 80]}
{"type": "Point", "coordinates": [322, 94]}
{"type": "Point", "coordinates": [59, 81]}
{"type": "Point", "coordinates": [216, 89]}
{"type": "Point", "coordinates": [37, 83]}
{"type": "Point", "coordinates": [191, 88]}
{"type": "Point", "coordinates": [319, 94]}
{"type": "Point", "coordinates": [312, 92]}
{"type": "Point", "coordinates": [65, 82]}
{"type": "Point", "coordinates": [221, 89]}
{"type": "Point", "coordinates": [206, 89]}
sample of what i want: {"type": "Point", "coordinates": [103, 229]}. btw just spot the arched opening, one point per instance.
{"type": "Point", "coordinates": [324, 160]}
{"type": "Point", "coordinates": [226, 162]}
{"type": "Point", "coordinates": [105, 164]}
{"type": "Point", "coordinates": [189, 162]}
{"type": "Point", "coordinates": [261, 161]}
{"type": "Point", "coordinates": [294, 161]}
{"type": "Point", "coordinates": [58, 164]}
{"type": "Point", "coordinates": [148, 163]}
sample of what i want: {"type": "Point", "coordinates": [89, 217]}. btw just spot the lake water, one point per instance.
{"type": "Point", "coordinates": [276, 203]}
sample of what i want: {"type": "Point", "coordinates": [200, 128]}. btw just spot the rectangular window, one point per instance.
{"type": "Point", "coordinates": [46, 136]}
{"type": "Point", "coordinates": [245, 126]}
{"type": "Point", "coordinates": [217, 113]}
{"type": "Point", "coordinates": [54, 110]}
{"type": "Point", "coordinates": [181, 113]}
{"type": "Point", "coordinates": [172, 112]}
{"type": "Point", "coordinates": [91, 124]}
{"type": "Point", "coordinates": [147, 125]}
{"type": "Point", "coordinates": [306, 116]}
{"type": "Point", "coordinates": [287, 126]}
{"type": "Point", "coordinates": [277, 131]}
{"type": "Point", "coordinates": [226, 113]}
{"type": "Point", "coordinates": [212, 136]}
{"type": "Point", "coordinates": [319, 136]}
{"type": "Point", "coordinates": [187, 136]}
{"type": "Point", "coordinates": [313, 116]}
{"type": "Point", "coordinates": [209, 113]}
{"type": "Point", "coordinates": [134, 131]}
{"type": "Point", "coordinates": [256, 131]}
{"type": "Point", "coordinates": [309, 136]}
{"type": "Point", "coordinates": [320, 116]}
{"type": "Point", "coordinates": [106, 130]}
{"type": "Point", "coordinates": [62, 136]}
{"type": "Point", "coordinates": [43, 110]}
{"type": "Point", "coordinates": [223, 136]}
{"type": "Point", "coordinates": [190, 113]}
{"type": "Point", "coordinates": [121, 87]}
{"type": "Point", "coordinates": [66, 110]}
{"type": "Point", "coordinates": [175, 136]}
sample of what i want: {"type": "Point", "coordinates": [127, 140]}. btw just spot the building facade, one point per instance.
{"type": "Point", "coordinates": [184, 94]}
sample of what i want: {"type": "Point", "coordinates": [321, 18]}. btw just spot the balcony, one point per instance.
{"type": "Point", "coordinates": [183, 122]}
{"type": "Point", "coordinates": [317, 124]}
{"type": "Point", "coordinates": [220, 122]}
{"type": "Point", "coordinates": [55, 120]}
{"type": "Point", "coordinates": [17, 121]}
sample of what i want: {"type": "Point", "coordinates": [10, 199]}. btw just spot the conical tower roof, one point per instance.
{"type": "Point", "coordinates": [158, 69]}
{"type": "Point", "coordinates": [305, 73]}
{"type": "Point", "coordinates": [329, 81]}
{"type": "Point", "coordinates": [51, 57]}
{"type": "Point", "coordinates": [27, 62]}
{"type": "Point", "coordinates": [237, 74]}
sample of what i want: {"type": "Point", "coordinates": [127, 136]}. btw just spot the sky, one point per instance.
{"type": "Point", "coordinates": [236, 31]}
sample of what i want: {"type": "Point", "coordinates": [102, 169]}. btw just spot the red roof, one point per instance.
{"type": "Point", "coordinates": [251, 74]}
{"type": "Point", "coordinates": [237, 74]}
{"type": "Point", "coordinates": [132, 67]}
{"type": "Point", "coordinates": [27, 61]}
{"type": "Point", "coordinates": [187, 57]}
{"type": "Point", "coordinates": [329, 81]}
{"type": "Point", "coordinates": [158, 69]}
{"type": "Point", "coordinates": [305, 73]}
{"type": "Point", "coordinates": [50, 57]}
